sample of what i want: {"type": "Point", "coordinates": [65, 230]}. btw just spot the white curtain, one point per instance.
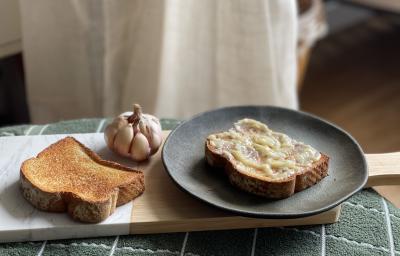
{"type": "Point", "coordinates": [92, 58]}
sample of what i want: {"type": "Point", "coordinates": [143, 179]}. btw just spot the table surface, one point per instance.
{"type": "Point", "coordinates": [369, 225]}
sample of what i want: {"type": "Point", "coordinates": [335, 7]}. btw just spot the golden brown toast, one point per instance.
{"type": "Point", "coordinates": [67, 176]}
{"type": "Point", "coordinates": [264, 162]}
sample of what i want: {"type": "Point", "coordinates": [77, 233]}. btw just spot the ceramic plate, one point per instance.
{"type": "Point", "coordinates": [183, 158]}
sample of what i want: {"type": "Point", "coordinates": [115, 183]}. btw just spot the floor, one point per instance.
{"type": "Point", "coordinates": [353, 80]}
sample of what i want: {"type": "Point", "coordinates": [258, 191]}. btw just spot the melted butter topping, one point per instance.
{"type": "Point", "coordinates": [256, 148]}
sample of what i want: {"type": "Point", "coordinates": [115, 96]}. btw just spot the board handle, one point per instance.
{"type": "Point", "coordinates": [383, 169]}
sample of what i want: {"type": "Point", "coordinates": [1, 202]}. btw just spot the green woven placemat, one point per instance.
{"type": "Point", "coordinates": [368, 225]}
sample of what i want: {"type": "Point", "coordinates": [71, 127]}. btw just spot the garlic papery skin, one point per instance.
{"type": "Point", "coordinates": [134, 134]}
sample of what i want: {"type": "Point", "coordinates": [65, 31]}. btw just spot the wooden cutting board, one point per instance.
{"type": "Point", "coordinates": [162, 208]}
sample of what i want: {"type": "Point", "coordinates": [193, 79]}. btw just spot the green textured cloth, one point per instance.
{"type": "Point", "coordinates": [368, 225]}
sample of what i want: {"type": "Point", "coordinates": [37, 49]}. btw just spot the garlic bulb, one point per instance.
{"type": "Point", "coordinates": [135, 135]}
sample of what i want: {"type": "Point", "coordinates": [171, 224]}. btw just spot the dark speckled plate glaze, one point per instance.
{"type": "Point", "coordinates": [183, 157]}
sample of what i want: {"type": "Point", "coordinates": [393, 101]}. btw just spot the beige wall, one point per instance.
{"type": "Point", "coordinates": [10, 28]}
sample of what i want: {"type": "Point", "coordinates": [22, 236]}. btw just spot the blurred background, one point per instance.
{"type": "Point", "coordinates": [348, 68]}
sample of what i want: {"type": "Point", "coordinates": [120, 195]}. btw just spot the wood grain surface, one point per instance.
{"type": "Point", "coordinates": [165, 208]}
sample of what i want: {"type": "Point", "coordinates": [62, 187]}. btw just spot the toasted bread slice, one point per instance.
{"type": "Point", "coordinates": [67, 176]}
{"type": "Point", "coordinates": [268, 164]}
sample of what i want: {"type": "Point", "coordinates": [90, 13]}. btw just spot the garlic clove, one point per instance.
{"type": "Point", "coordinates": [109, 135]}
{"type": "Point", "coordinates": [155, 142]}
{"type": "Point", "coordinates": [156, 128]}
{"type": "Point", "coordinates": [140, 149]}
{"type": "Point", "coordinates": [123, 140]}
{"type": "Point", "coordinates": [143, 128]}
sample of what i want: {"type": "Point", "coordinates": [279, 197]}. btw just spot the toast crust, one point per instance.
{"type": "Point", "coordinates": [73, 200]}
{"type": "Point", "coordinates": [265, 186]}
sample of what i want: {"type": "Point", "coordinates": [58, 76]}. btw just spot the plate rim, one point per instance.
{"type": "Point", "coordinates": [267, 215]}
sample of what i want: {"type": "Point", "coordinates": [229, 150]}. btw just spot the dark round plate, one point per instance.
{"type": "Point", "coordinates": [183, 158]}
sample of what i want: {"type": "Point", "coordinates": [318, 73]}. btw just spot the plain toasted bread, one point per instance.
{"type": "Point", "coordinates": [266, 186]}
{"type": "Point", "coordinates": [69, 177]}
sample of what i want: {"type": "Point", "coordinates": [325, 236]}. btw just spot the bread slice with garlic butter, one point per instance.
{"type": "Point", "coordinates": [264, 162]}
{"type": "Point", "coordinates": [69, 177]}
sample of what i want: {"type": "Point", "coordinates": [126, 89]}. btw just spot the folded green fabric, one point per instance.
{"type": "Point", "coordinates": [368, 225]}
